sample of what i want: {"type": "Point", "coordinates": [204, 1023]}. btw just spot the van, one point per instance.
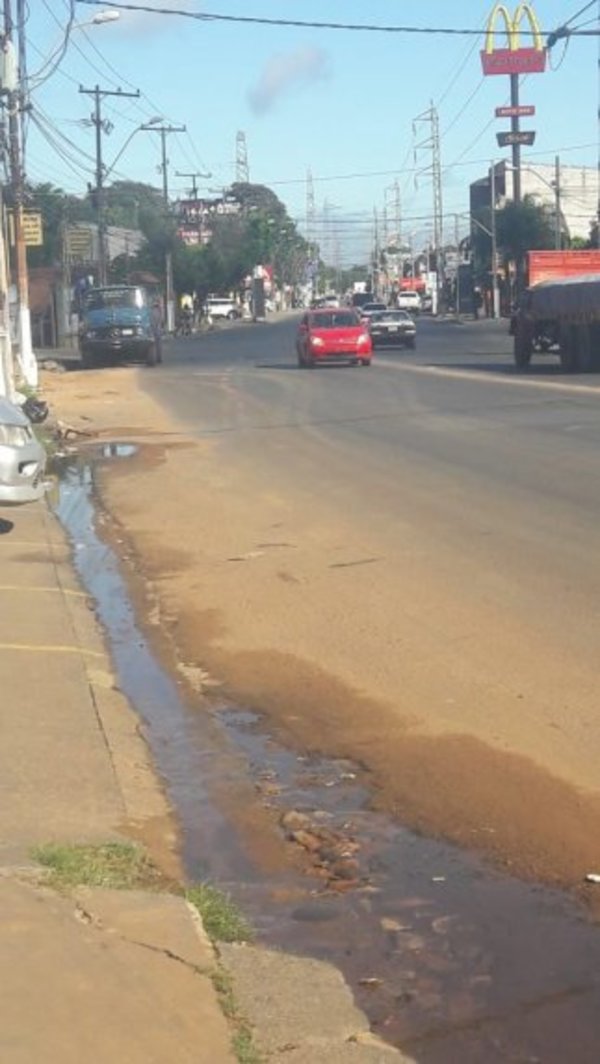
{"type": "Point", "coordinates": [221, 307]}
{"type": "Point", "coordinates": [410, 301]}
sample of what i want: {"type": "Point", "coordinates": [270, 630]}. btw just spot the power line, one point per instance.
{"type": "Point", "coordinates": [360, 27]}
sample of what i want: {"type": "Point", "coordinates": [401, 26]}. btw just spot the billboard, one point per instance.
{"type": "Point", "coordinates": [514, 59]}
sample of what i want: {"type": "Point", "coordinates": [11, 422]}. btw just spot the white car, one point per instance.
{"type": "Point", "coordinates": [22, 458]}
{"type": "Point", "coordinates": [222, 307]}
{"type": "Point", "coordinates": [410, 301]}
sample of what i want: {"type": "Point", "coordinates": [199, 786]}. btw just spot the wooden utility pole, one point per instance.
{"type": "Point", "coordinates": [169, 293]}
{"type": "Point", "coordinates": [100, 205]}
{"type": "Point", "coordinates": [15, 103]}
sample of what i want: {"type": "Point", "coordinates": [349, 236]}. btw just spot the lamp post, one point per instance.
{"type": "Point", "coordinates": [107, 15]}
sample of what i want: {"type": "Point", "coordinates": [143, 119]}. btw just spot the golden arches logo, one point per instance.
{"type": "Point", "coordinates": [516, 58]}
{"type": "Point", "coordinates": [513, 27]}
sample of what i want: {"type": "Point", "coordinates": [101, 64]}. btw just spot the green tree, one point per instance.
{"type": "Point", "coordinates": [522, 227]}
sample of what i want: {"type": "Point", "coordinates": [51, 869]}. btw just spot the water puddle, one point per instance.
{"type": "Point", "coordinates": [450, 960]}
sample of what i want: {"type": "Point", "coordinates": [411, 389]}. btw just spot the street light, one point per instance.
{"type": "Point", "coordinates": [155, 120]}
{"type": "Point", "coordinates": [107, 15]}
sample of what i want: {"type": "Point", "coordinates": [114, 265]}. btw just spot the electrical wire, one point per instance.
{"type": "Point", "coordinates": [62, 50]}
{"type": "Point", "coordinates": [361, 27]}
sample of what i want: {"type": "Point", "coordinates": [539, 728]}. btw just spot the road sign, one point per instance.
{"type": "Point", "coordinates": [33, 232]}
{"type": "Point", "coordinates": [515, 59]}
{"type": "Point", "coordinates": [524, 110]}
{"type": "Point", "coordinates": [79, 243]}
{"type": "Point", "coordinates": [523, 136]}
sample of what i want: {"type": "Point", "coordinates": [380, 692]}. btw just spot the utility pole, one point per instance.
{"type": "Point", "coordinates": [100, 126]}
{"type": "Point", "coordinates": [457, 281]}
{"type": "Point", "coordinates": [15, 103]}
{"type": "Point", "coordinates": [193, 178]}
{"type": "Point", "coordinates": [169, 292]}
{"type": "Point", "coordinates": [495, 292]}
{"type": "Point", "coordinates": [433, 144]}
{"type": "Point", "coordinates": [557, 205]}
{"type": "Point", "coordinates": [397, 212]}
{"type": "Point", "coordinates": [375, 252]}
{"type": "Point", "coordinates": [7, 376]}
{"type": "Point", "coordinates": [242, 169]}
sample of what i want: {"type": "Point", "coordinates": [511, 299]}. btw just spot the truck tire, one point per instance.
{"type": "Point", "coordinates": [586, 361]}
{"type": "Point", "coordinates": [152, 355]}
{"type": "Point", "coordinates": [88, 360]}
{"type": "Point", "coordinates": [568, 351]}
{"type": "Point", "coordinates": [523, 344]}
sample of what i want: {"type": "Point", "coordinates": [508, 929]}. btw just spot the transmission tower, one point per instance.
{"type": "Point", "coordinates": [311, 210]}
{"type": "Point", "coordinates": [242, 170]}
{"type": "Point", "coordinates": [431, 144]}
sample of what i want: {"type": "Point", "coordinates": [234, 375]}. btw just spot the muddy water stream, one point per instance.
{"type": "Point", "coordinates": [451, 960]}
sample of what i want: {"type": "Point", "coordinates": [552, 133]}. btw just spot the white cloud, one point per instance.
{"type": "Point", "coordinates": [286, 72]}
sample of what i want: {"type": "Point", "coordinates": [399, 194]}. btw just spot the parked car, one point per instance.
{"type": "Point", "coordinates": [358, 299]}
{"type": "Point", "coordinates": [222, 307]}
{"type": "Point", "coordinates": [392, 328]}
{"type": "Point", "coordinates": [368, 309]}
{"type": "Point", "coordinates": [333, 336]}
{"type": "Point", "coordinates": [22, 458]}
{"type": "Point", "coordinates": [119, 322]}
{"type": "Point", "coordinates": [410, 301]}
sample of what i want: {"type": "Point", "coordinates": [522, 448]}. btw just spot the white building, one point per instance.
{"type": "Point", "coordinates": [577, 196]}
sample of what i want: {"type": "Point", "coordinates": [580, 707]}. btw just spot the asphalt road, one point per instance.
{"type": "Point", "coordinates": [474, 491]}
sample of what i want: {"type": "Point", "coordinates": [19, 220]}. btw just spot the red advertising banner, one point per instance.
{"type": "Point", "coordinates": [513, 59]}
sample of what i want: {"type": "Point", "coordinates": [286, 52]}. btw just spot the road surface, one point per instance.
{"type": "Point", "coordinates": [399, 565]}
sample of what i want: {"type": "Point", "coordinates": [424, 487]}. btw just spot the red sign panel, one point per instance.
{"type": "Point", "coordinates": [551, 265]}
{"type": "Point", "coordinates": [524, 110]}
{"type": "Point", "coordinates": [519, 61]}
{"type": "Point", "coordinates": [513, 59]}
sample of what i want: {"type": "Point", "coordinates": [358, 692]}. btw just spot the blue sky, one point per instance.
{"type": "Point", "coordinates": [340, 103]}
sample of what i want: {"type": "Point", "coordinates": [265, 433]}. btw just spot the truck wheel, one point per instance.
{"type": "Point", "coordinates": [584, 348]}
{"type": "Point", "coordinates": [87, 359]}
{"type": "Point", "coordinates": [568, 349]}
{"type": "Point", "coordinates": [152, 354]}
{"type": "Point", "coordinates": [523, 345]}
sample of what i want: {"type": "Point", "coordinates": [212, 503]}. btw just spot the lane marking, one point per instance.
{"type": "Point", "coordinates": [53, 649]}
{"type": "Point", "coordinates": [492, 378]}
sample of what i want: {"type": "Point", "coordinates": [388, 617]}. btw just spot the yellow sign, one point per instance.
{"type": "Point", "coordinates": [79, 244]}
{"type": "Point", "coordinates": [516, 58]}
{"type": "Point", "coordinates": [33, 231]}
{"type": "Point", "coordinates": [513, 27]}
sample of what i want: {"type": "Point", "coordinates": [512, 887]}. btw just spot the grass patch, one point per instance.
{"type": "Point", "coordinates": [244, 1047]}
{"type": "Point", "coordinates": [220, 915]}
{"type": "Point", "coordinates": [119, 865]}
{"type": "Point", "coordinates": [242, 1041]}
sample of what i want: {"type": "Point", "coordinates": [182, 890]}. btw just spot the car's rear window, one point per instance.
{"type": "Point", "coordinates": [390, 315]}
{"type": "Point", "coordinates": [335, 320]}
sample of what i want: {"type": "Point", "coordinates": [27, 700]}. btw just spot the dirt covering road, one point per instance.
{"type": "Point", "coordinates": [358, 643]}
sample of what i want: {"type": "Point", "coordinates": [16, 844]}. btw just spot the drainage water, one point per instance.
{"type": "Point", "coordinates": [449, 959]}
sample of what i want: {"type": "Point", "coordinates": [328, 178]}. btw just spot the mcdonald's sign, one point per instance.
{"type": "Point", "coordinates": [514, 59]}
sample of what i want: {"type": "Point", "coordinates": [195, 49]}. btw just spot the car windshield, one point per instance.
{"type": "Point", "coordinates": [390, 315]}
{"type": "Point", "coordinates": [341, 320]}
{"type": "Point", "coordinates": [105, 298]}
{"type": "Point", "coordinates": [370, 307]}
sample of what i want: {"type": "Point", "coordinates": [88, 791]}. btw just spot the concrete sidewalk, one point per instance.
{"type": "Point", "coordinates": [116, 977]}
{"type": "Point", "coordinates": [99, 975]}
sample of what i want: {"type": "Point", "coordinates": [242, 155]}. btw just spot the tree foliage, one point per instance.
{"type": "Point", "coordinates": [260, 233]}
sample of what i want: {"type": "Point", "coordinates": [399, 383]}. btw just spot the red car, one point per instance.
{"type": "Point", "coordinates": [329, 335]}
